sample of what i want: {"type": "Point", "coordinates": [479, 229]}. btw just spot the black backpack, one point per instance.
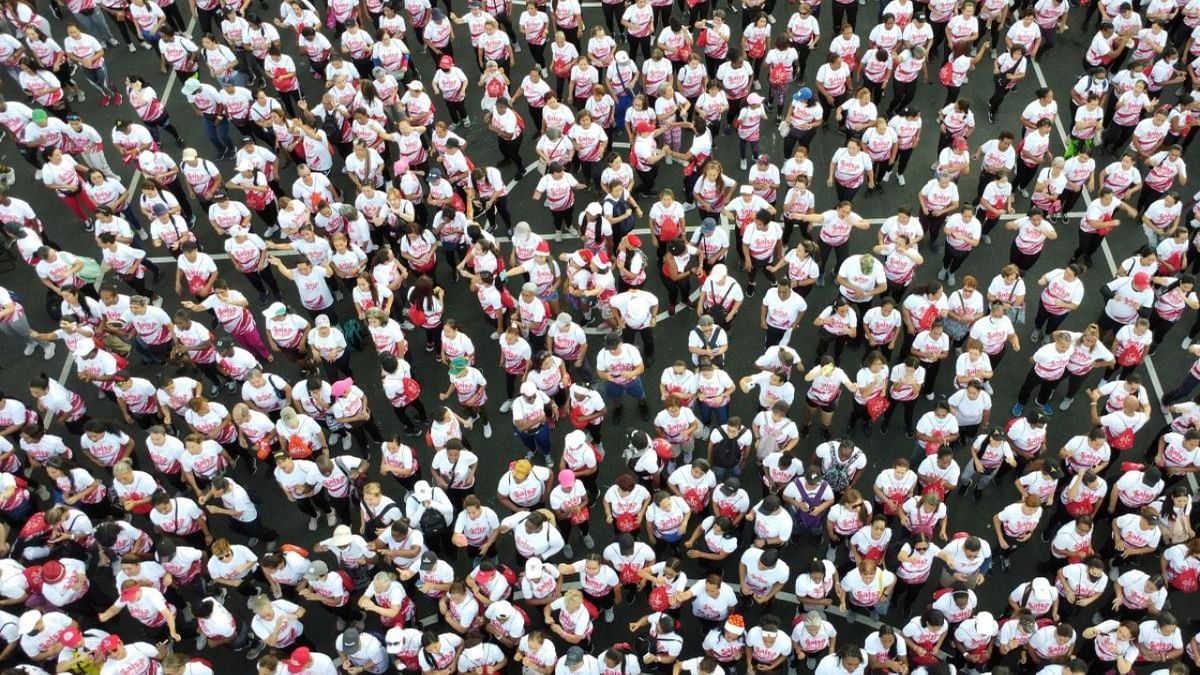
{"type": "Point", "coordinates": [432, 523]}
{"type": "Point", "coordinates": [726, 453]}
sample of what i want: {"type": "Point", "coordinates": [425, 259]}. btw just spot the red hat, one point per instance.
{"type": "Point", "coordinates": [301, 656]}
{"type": "Point", "coordinates": [53, 572]}
{"type": "Point", "coordinates": [109, 644]}
{"type": "Point", "coordinates": [634, 240]}
{"type": "Point", "coordinates": [70, 637]}
{"type": "Point", "coordinates": [130, 594]}
{"type": "Point", "coordinates": [446, 61]}
{"type": "Point", "coordinates": [543, 247]}
{"type": "Point", "coordinates": [1141, 281]}
{"type": "Point", "coordinates": [601, 259]}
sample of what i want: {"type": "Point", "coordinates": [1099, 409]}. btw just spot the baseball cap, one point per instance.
{"type": "Point", "coordinates": [428, 560]}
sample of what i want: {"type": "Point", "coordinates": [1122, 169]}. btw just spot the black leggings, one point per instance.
{"type": "Point", "coordinates": [1034, 381]}
{"type": "Point", "coordinates": [910, 408]}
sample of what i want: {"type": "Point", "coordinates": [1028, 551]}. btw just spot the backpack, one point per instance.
{"type": "Point", "coordinates": [353, 332]}
{"type": "Point", "coordinates": [33, 579]}
{"type": "Point", "coordinates": [510, 575]}
{"type": "Point", "coordinates": [726, 453]}
{"type": "Point", "coordinates": [347, 582]}
{"type": "Point", "coordinates": [432, 523]}
{"type": "Point", "coordinates": [838, 474]}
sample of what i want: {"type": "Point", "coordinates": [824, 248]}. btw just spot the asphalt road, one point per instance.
{"type": "Point", "coordinates": [1059, 72]}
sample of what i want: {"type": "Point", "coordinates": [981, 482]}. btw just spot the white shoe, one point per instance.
{"type": "Point", "coordinates": [941, 275]}
{"type": "Point", "coordinates": [987, 240]}
{"type": "Point", "coordinates": [742, 164]}
{"type": "Point", "coordinates": [334, 437]}
{"type": "Point", "coordinates": [37, 175]}
{"type": "Point", "coordinates": [608, 615]}
{"type": "Point", "coordinates": [887, 176]}
{"type": "Point", "coordinates": [517, 48]}
{"type": "Point", "coordinates": [688, 206]}
{"type": "Point", "coordinates": [506, 406]}
{"type": "Point", "coordinates": [338, 295]}
{"type": "Point", "coordinates": [346, 441]}
{"type": "Point", "coordinates": [1102, 382]}
{"type": "Point", "coordinates": [142, 235]}
{"type": "Point", "coordinates": [929, 396]}
{"type": "Point", "coordinates": [330, 519]}
{"type": "Point", "coordinates": [757, 85]}
{"type": "Point", "coordinates": [466, 122]}
{"type": "Point", "coordinates": [312, 524]}
{"type": "Point", "coordinates": [132, 48]}
{"type": "Point", "coordinates": [201, 642]}
{"type": "Point", "coordinates": [556, 236]}
{"type": "Point", "coordinates": [494, 336]}
{"type": "Point", "coordinates": [114, 42]}
{"type": "Point", "coordinates": [1066, 404]}
{"type": "Point", "coordinates": [771, 19]}
{"type": "Point", "coordinates": [48, 349]}
{"type": "Point", "coordinates": [951, 281]}
{"type": "Point", "coordinates": [900, 179]}
{"type": "Point", "coordinates": [1187, 342]}
{"type": "Point", "coordinates": [271, 232]}
{"type": "Point", "coordinates": [146, 46]}
{"type": "Point", "coordinates": [157, 301]}
{"type": "Point", "coordinates": [80, 97]}
{"type": "Point", "coordinates": [487, 430]}
{"type": "Point", "coordinates": [568, 551]}
{"type": "Point", "coordinates": [29, 348]}
{"type": "Point", "coordinates": [589, 542]}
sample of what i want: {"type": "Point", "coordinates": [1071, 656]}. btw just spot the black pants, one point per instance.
{"type": "Point", "coordinates": [1034, 381]}
{"type": "Point", "coordinates": [647, 334]}
{"type": "Point", "coordinates": [909, 412]}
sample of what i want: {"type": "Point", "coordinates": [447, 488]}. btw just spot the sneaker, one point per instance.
{"type": "Point", "coordinates": [951, 281]}
{"type": "Point", "coordinates": [1065, 404]}
{"type": "Point", "coordinates": [1103, 381]}
{"type": "Point", "coordinates": [271, 231]}
{"type": "Point", "coordinates": [29, 348]}
{"type": "Point", "coordinates": [568, 551]}
{"type": "Point", "coordinates": [466, 122]}
{"type": "Point", "coordinates": [517, 48]}
{"type": "Point", "coordinates": [105, 99]}
{"type": "Point", "coordinates": [201, 642]}
{"type": "Point", "coordinates": [589, 542]}
{"type": "Point", "coordinates": [1187, 342]}
{"type": "Point", "coordinates": [991, 118]}
{"type": "Point", "coordinates": [487, 430]}
{"type": "Point", "coordinates": [507, 405]}
{"type": "Point", "coordinates": [757, 84]}
{"type": "Point", "coordinates": [1036, 336]}
{"type": "Point", "coordinates": [338, 295]}
{"type": "Point", "coordinates": [132, 48]}
{"type": "Point", "coordinates": [771, 19]}
{"type": "Point", "coordinates": [114, 42]}
{"type": "Point", "coordinates": [1017, 409]}
{"type": "Point", "coordinates": [252, 542]}
{"type": "Point", "coordinates": [742, 164]}
{"type": "Point", "coordinates": [1047, 409]}
{"type": "Point", "coordinates": [146, 45]}
{"type": "Point", "coordinates": [312, 525]}
{"type": "Point", "coordinates": [346, 440]}
{"type": "Point", "coordinates": [887, 176]}
{"type": "Point", "coordinates": [529, 456]}
{"type": "Point", "coordinates": [330, 519]}
{"type": "Point", "coordinates": [900, 179]}
{"type": "Point", "coordinates": [214, 391]}
{"type": "Point", "coordinates": [1005, 564]}
{"type": "Point", "coordinates": [687, 206]}
{"type": "Point", "coordinates": [987, 240]}
{"type": "Point", "coordinates": [118, 99]}
{"type": "Point", "coordinates": [231, 386]}
{"type": "Point", "coordinates": [142, 234]}
{"type": "Point", "coordinates": [608, 615]}
{"type": "Point", "coordinates": [48, 349]}
{"type": "Point", "coordinates": [929, 396]}
{"type": "Point", "coordinates": [80, 96]}
{"type": "Point", "coordinates": [941, 275]}
{"type": "Point", "coordinates": [750, 291]}
{"type": "Point", "coordinates": [1024, 192]}
{"type": "Point", "coordinates": [256, 651]}
{"type": "Point", "coordinates": [334, 437]}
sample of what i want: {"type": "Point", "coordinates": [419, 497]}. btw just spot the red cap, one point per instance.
{"type": "Point", "coordinates": [446, 61]}
{"type": "Point", "coordinates": [601, 259]}
{"type": "Point", "coordinates": [299, 660]}
{"type": "Point", "coordinates": [53, 572]}
{"type": "Point", "coordinates": [585, 254]}
{"type": "Point", "coordinates": [634, 240]}
{"type": "Point", "coordinates": [1141, 281]}
{"type": "Point", "coordinates": [109, 644]}
{"type": "Point", "coordinates": [543, 247]}
{"type": "Point", "coordinates": [70, 637]}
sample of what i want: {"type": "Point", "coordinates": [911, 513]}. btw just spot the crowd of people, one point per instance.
{"type": "Point", "coordinates": [218, 464]}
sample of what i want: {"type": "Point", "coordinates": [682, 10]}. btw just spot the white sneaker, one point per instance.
{"type": "Point", "coordinates": [929, 396]}
{"type": "Point", "coordinates": [742, 164]}
{"type": "Point", "coordinates": [466, 122]}
{"type": "Point", "coordinates": [494, 336]}
{"type": "Point", "coordinates": [608, 615]}
{"type": "Point", "coordinates": [941, 275]}
{"type": "Point", "coordinates": [334, 437]}
{"type": "Point", "coordinates": [37, 175]}
{"type": "Point", "coordinates": [688, 206]}
{"type": "Point", "coordinates": [271, 232]}
{"type": "Point", "coordinates": [29, 348]}
{"type": "Point", "coordinates": [487, 430]}
{"type": "Point", "coordinates": [1066, 404]}
{"type": "Point", "coordinates": [517, 48]}
{"type": "Point", "coordinates": [887, 176]}
{"type": "Point", "coordinates": [1187, 342]}
{"type": "Point", "coordinates": [146, 46]}
{"type": "Point", "coordinates": [568, 551]}
{"type": "Point", "coordinates": [900, 179]}
{"type": "Point", "coordinates": [132, 48]}
{"type": "Point", "coordinates": [1103, 382]}
{"type": "Point", "coordinates": [80, 96]}
{"type": "Point", "coordinates": [201, 642]}
{"type": "Point", "coordinates": [114, 42]}
{"type": "Point", "coordinates": [771, 19]}
{"type": "Point", "coordinates": [589, 542]}
{"type": "Point", "coordinates": [951, 281]}
{"type": "Point", "coordinates": [143, 235]}
{"type": "Point", "coordinates": [48, 349]}
{"type": "Point", "coordinates": [506, 406]}
{"type": "Point", "coordinates": [338, 295]}
{"type": "Point", "coordinates": [987, 240]}
{"type": "Point", "coordinates": [312, 525]}
{"type": "Point", "coordinates": [330, 519]}
{"type": "Point", "coordinates": [346, 441]}
{"type": "Point", "coordinates": [757, 85]}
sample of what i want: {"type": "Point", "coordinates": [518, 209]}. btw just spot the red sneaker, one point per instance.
{"type": "Point", "coordinates": [105, 100]}
{"type": "Point", "coordinates": [118, 99]}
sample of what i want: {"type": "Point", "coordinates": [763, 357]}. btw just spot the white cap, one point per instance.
{"type": "Point", "coordinates": [84, 348]}
{"type": "Point", "coordinates": [423, 491]}
{"type": "Point", "coordinates": [244, 166]}
{"type": "Point", "coordinates": [529, 389]}
{"type": "Point", "coordinates": [274, 310]}
{"type": "Point", "coordinates": [622, 56]}
{"type": "Point", "coordinates": [593, 209]}
{"type": "Point", "coordinates": [342, 536]}
{"type": "Point", "coordinates": [575, 439]}
{"type": "Point", "coordinates": [416, 85]}
{"type": "Point", "coordinates": [28, 621]}
{"type": "Point", "coordinates": [533, 569]}
{"type": "Point", "coordinates": [985, 624]}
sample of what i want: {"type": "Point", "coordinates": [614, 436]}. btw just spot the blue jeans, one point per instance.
{"type": "Point", "coordinates": [633, 389]}
{"type": "Point", "coordinates": [722, 473]}
{"type": "Point", "coordinates": [712, 417]}
{"type": "Point", "coordinates": [218, 135]}
{"type": "Point", "coordinates": [538, 440]}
